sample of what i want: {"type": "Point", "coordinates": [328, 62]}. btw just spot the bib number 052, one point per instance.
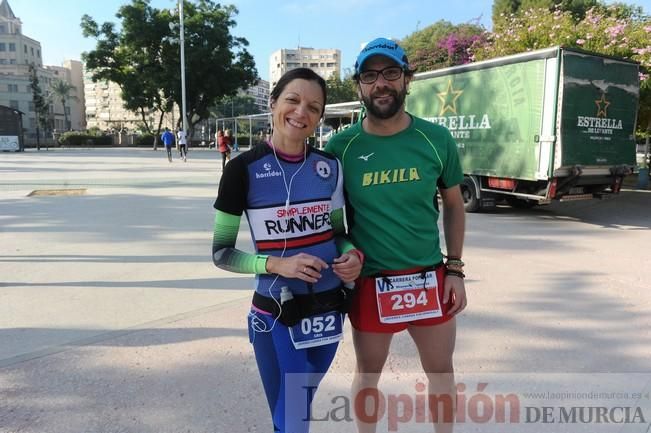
{"type": "Point", "coordinates": [317, 324]}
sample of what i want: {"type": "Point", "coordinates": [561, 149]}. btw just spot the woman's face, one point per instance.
{"type": "Point", "coordinates": [297, 111]}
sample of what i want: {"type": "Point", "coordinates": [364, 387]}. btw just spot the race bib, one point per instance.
{"type": "Point", "coordinates": [319, 330]}
{"type": "Point", "coordinates": [404, 298]}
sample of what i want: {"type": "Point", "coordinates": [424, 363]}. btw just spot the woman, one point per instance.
{"type": "Point", "coordinates": [223, 142]}
{"type": "Point", "coordinates": [293, 199]}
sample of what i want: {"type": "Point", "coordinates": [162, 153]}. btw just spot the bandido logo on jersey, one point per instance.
{"type": "Point", "coordinates": [268, 172]}
{"type": "Point", "coordinates": [323, 169]}
{"type": "Point", "coordinates": [302, 224]}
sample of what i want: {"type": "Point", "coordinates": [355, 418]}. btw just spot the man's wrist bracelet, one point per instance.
{"type": "Point", "coordinates": [455, 273]}
{"type": "Point", "coordinates": [455, 263]}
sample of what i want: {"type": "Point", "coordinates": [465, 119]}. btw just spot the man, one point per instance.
{"type": "Point", "coordinates": [183, 145]}
{"type": "Point", "coordinates": [168, 140]}
{"type": "Point", "coordinates": [393, 164]}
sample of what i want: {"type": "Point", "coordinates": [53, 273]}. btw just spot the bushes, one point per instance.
{"type": "Point", "coordinates": [74, 138]}
{"type": "Point", "coordinates": [147, 140]}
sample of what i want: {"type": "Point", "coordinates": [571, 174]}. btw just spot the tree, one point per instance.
{"type": "Point", "coordinates": [234, 106]}
{"type": "Point", "coordinates": [339, 90]}
{"type": "Point", "coordinates": [441, 45]}
{"type": "Point", "coordinates": [143, 58]}
{"type": "Point", "coordinates": [577, 8]}
{"type": "Point", "coordinates": [61, 89]}
{"type": "Point", "coordinates": [131, 59]}
{"type": "Point", "coordinates": [41, 104]}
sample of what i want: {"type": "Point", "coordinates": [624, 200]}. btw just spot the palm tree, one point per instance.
{"type": "Point", "coordinates": [61, 89]}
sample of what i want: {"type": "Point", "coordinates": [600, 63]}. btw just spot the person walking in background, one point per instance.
{"type": "Point", "coordinates": [393, 164]}
{"type": "Point", "coordinates": [168, 140]}
{"type": "Point", "coordinates": [234, 144]}
{"type": "Point", "coordinates": [183, 144]}
{"type": "Point", "coordinates": [293, 199]}
{"type": "Point", "coordinates": [223, 143]}
{"type": "Point", "coordinates": [232, 141]}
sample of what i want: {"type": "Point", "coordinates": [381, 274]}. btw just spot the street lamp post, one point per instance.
{"type": "Point", "coordinates": [182, 43]}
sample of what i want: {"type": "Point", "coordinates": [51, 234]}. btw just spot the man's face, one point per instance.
{"type": "Point", "coordinates": [383, 98]}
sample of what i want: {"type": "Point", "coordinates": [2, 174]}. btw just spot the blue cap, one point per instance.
{"type": "Point", "coordinates": [382, 47]}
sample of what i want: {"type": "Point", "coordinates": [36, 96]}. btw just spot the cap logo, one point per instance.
{"type": "Point", "coordinates": [381, 45]}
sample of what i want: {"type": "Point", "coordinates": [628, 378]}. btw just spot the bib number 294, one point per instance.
{"type": "Point", "coordinates": [408, 300]}
{"type": "Point", "coordinates": [405, 298]}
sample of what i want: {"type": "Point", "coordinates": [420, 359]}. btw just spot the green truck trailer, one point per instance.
{"type": "Point", "coordinates": [553, 124]}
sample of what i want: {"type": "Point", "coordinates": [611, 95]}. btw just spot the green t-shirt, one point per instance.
{"type": "Point", "coordinates": [391, 183]}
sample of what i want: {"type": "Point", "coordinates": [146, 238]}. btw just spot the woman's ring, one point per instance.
{"type": "Point", "coordinates": [305, 269]}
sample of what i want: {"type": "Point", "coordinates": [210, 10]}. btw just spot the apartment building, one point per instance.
{"type": "Point", "coordinates": [260, 94]}
{"type": "Point", "coordinates": [325, 62]}
{"type": "Point", "coordinates": [17, 53]}
{"type": "Point", "coordinates": [105, 109]}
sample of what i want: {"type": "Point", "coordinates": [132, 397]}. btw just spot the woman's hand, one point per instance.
{"type": "Point", "coordinates": [347, 267]}
{"type": "Point", "coordinates": [302, 266]}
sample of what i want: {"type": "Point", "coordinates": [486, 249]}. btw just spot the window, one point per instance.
{"type": "Point", "coordinates": [3, 61]}
{"type": "Point", "coordinates": [12, 46]}
{"type": "Point", "coordinates": [3, 28]}
{"type": "Point", "coordinates": [38, 53]}
{"type": "Point", "coordinates": [12, 88]}
{"type": "Point", "coordinates": [30, 106]}
{"type": "Point", "coordinates": [25, 48]}
{"type": "Point", "coordinates": [14, 104]}
{"type": "Point", "coordinates": [12, 61]}
{"type": "Point", "coordinates": [32, 50]}
{"type": "Point", "coordinates": [3, 46]}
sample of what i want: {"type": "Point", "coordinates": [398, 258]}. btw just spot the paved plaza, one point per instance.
{"type": "Point", "coordinates": [113, 318]}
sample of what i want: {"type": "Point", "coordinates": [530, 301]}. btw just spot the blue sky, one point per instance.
{"type": "Point", "coordinates": [268, 25]}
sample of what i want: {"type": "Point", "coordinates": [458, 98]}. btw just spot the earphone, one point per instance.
{"type": "Point", "coordinates": [256, 323]}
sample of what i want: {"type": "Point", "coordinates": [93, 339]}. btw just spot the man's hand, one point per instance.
{"type": "Point", "coordinates": [347, 267]}
{"type": "Point", "coordinates": [454, 287]}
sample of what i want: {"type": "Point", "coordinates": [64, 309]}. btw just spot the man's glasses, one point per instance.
{"type": "Point", "coordinates": [370, 76]}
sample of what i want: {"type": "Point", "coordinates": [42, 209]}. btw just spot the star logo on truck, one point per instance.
{"type": "Point", "coordinates": [602, 106]}
{"type": "Point", "coordinates": [449, 99]}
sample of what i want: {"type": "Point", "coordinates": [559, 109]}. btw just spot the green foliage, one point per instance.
{"type": "Point", "coordinates": [41, 104]}
{"type": "Point", "coordinates": [74, 138]}
{"type": "Point", "coordinates": [234, 106]}
{"type": "Point", "coordinates": [94, 131]}
{"type": "Point", "coordinates": [441, 45]}
{"type": "Point", "coordinates": [339, 90]}
{"type": "Point", "coordinates": [143, 58]}
{"type": "Point", "coordinates": [61, 89]}
{"type": "Point", "coordinates": [427, 38]}
{"type": "Point", "coordinates": [503, 9]}
{"type": "Point", "coordinates": [146, 140]}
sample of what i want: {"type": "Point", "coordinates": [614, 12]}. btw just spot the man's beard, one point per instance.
{"type": "Point", "coordinates": [385, 111]}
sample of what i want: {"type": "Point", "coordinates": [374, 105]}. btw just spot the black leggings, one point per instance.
{"type": "Point", "coordinates": [183, 150]}
{"type": "Point", "coordinates": [224, 158]}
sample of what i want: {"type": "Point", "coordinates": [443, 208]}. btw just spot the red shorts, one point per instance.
{"type": "Point", "coordinates": [364, 314]}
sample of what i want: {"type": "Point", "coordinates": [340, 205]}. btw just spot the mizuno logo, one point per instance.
{"type": "Point", "coordinates": [365, 157]}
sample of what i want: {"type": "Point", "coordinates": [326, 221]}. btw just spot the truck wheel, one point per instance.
{"type": "Point", "coordinates": [520, 203]}
{"type": "Point", "coordinates": [469, 194]}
